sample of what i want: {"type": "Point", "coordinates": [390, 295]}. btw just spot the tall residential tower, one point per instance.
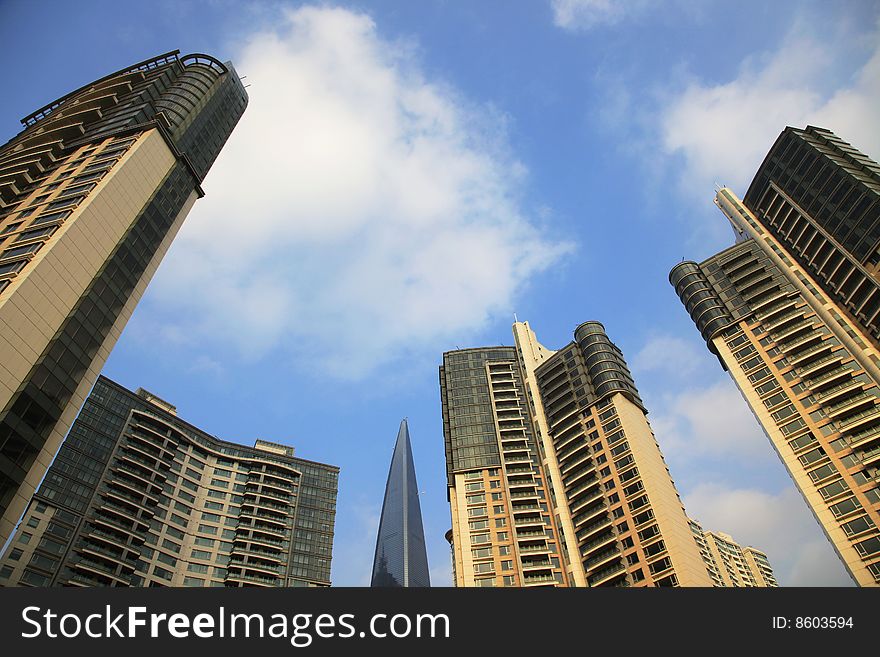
{"type": "Point", "coordinates": [401, 558]}
{"type": "Point", "coordinates": [729, 563]}
{"type": "Point", "coordinates": [139, 497]}
{"type": "Point", "coordinates": [92, 192]}
{"type": "Point", "coordinates": [554, 475]}
{"type": "Point", "coordinates": [791, 310]}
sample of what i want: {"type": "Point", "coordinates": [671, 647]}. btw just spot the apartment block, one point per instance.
{"type": "Point", "coordinates": [788, 312]}
{"type": "Point", "coordinates": [139, 497]}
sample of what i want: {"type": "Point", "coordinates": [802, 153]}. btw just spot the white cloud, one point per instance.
{"type": "Point", "coordinates": [585, 14]}
{"type": "Point", "coordinates": [669, 355]}
{"type": "Point", "coordinates": [778, 524]}
{"type": "Point", "coordinates": [712, 421]}
{"type": "Point", "coordinates": [722, 131]}
{"type": "Point", "coordinates": [358, 213]}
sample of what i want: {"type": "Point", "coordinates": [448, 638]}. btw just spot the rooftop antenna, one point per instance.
{"type": "Point", "coordinates": [515, 320]}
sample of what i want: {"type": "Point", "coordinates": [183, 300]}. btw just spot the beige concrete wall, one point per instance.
{"type": "Point", "coordinates": [804, 484]}
{"type": "Point", "coordinates": [683, 550]}
{"type": "Point", "coordinates": [37, 303]}
{"type": "Point", "coordinates": [464, 562]}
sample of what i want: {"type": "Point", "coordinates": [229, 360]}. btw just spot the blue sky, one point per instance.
{"type": "Point", "coordinates": [408, 175]}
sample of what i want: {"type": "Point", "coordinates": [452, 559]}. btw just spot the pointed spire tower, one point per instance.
{"type": "Point", "coordinates": [400, 558]}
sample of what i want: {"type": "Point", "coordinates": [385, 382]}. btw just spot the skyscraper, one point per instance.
{"type": "Point", "coordinates": [139, 497]}
{"type": "Point", "coordinates": [92, 192]}
{"type": "Point", "coordinates": [791, 312]}
{"type": "Point", "coordinates": [401, 558]}
{"type": "Point", "coordinates": [731, 564]}
{"type": "Point", "coordinates": [554, 475]}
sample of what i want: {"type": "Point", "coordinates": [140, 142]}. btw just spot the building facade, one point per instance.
{"type": "Point", "coordinates": [729, 563]}
{"type": "Point", "coordinates": [139, 497]}
{"type": "Point", "coordinates": [554, 475]}
{"type": "Point", "coordinates": [401, 558]}
{"type": "Point", "coordinates": [798, 337]}
{"type": "Point", "coordinates": [92, 192]}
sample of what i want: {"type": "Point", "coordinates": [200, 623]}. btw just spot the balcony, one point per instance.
{"type": "Point", "coordinates": [150, 464]}
{"type": "Point", "coordinates": [124, 512]}
{"type": "Point", "coordinates": [264, 540]}
{"type": "Point", "coordinates": [870, 456]}
{"type": "Point", "coordinates": [251, 565]}
{"type": "Point", "coordinates": [588, 532]}
{"type": "Point", "coordinates": [572, 493]}
{"type": "Point", "coordinates": [101, 569]}
{"type": "Point", "coordinates": [268, 529]}
{"type": "Point", "coordinates": [274, 484]}
{"type": "Point", "coordinates": [86, 579]}
{"type": "Point", "coordinates": [592, 546]}
{"type": "Point", "coordinates": [141, 476]}
{"type": "Point", "coordinates": [534, 549]}
{"type": "Point", "coordinates": [274, 496]}
{"type": "Point", "coordinates": [791, 330]}
{"type": "Point", "coordinates": [111, 538]}
{"type": "Point", "coordinates": [757, 304]}
{"type": "Point", "coordinates": [139, 491]}
{"type": "Point", "coordinates": [537, 579]}
{"type": "Point", "coordinates": [606, 575]}
{"type": "Point", "coordinates": [783, 319]}
{"type": "Point", "coordinates": [528, 521]}
{"type": "Point", "coordinates": [837, 390]}
{"type": "Point", "coordinates": [594, 563]}
{"type": "Point", "coordinates": [772, 310]}
{"type": "Point", "coordinates": [283, 509]}
{"type": "Point", "coordinates": [579, 476]}
{"type": "Point", "coordinates": [750, 292]}
{"type": "Point", "coordinates": [806, 354]}
{"type": "Point", "coordinates": [253, 580]}
{"type": "Point", "coordinates": [864, 437]}
{"type": "Point", "coordinates": [825, 377]}
{"type": "Point", "coordinates": [742, 273]}
{"type": "Point", "coordinates": [115, 557]}
{"type": "Point", "coordinates": [580, 505]}
{"type": "Point", "coordinates": [571, 454]}
{"type": "Point", "coordinates": [542, 564]}
{"type": "Point", "coordinates": [522, 534]}
{"type": "Point", "coordinates": [118, 524]}
{"type": "Point", "coordinates": [851, 403]}
{"type": "Point", "coordinates": [523, 508]}
{"type": "Point", "coordinates": [590, 513]}
{"type": "Point", "coordinates": [118, 494]}
{"type": "Point", "coordinates": [788, 347]}
{"type": "Point", "coordinates": [261, 554]}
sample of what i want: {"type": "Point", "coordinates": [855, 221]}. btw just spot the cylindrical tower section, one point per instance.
{"type": "Point", "coordinates": [182, 101]}
{"type": "Point", "coordinates": [700, 299]}
{"type": "Point", "coordinates": [605, 364]}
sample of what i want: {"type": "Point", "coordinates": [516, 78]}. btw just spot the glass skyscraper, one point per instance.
{"type": "Point", "coordinates": [401, 558]}
{"type": "Point", "coordinates": [92, 192]}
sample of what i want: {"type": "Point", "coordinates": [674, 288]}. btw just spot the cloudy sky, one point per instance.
{"type": "Point", "coordinates": [409, 175]}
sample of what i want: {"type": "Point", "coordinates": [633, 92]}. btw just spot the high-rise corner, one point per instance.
{"type": "Point", "coordinates": [792, 311]}
{"type": "Point", "coordinates": [92, 192]}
